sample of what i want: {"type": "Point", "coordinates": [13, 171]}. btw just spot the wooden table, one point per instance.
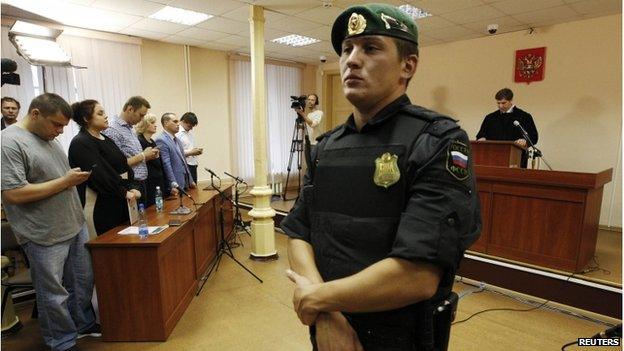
{"type": "Point", "coordinates": [144, 286]}
{"type": "Point", "coordinates": [545, 218]}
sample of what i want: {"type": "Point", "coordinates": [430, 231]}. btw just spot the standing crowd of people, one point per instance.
{"type": "Point", "coordinates": [54, 202]}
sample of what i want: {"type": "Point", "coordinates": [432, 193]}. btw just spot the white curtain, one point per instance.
{"type": "Point", "coordinates": [25, 92]}
{"type": "Point", "coordinates": [113, 74]}
{"type": "Point", "coordinates": [242, 122]}
{"type": "Point", "coordinates": [281, 83]}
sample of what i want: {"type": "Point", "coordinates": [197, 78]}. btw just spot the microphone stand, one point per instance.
{"type": "Point", "coordinates": [238, 219]}
{"type": "Point", "coordinates": [223, 248]}
{"type": "Point", "coordinates": [181, 210]}
{"type": "Point", "coordinates": [537, 152]}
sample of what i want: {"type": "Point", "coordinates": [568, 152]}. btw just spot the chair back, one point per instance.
{"type": "Point", "coordinates": [9, 241]}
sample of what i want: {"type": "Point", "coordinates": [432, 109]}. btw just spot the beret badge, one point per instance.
{"type": "Point", "coordinates": [356, 24]}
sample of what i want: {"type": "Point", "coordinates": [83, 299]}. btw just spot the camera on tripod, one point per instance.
{"type": "Point", "coordinates": [8, 72]}
{"type": "Point", "coordinates": [298, 101]}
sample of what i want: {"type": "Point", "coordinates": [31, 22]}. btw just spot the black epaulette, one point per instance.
{"type": "Point", "coordinates": [328, 133]}
{"type": "Point", "coordinates": [438, 124]}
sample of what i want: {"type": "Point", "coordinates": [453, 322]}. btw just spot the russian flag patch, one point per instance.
{"type": "Point", "coordinates": [457, 160]}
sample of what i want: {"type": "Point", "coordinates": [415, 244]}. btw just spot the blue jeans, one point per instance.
{"type": "Point", "coordinates": [63, 280]}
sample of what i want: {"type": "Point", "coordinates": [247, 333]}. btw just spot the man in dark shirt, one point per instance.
{"type": "Point", "coordinates": [389, 203]}
{"type": "Point", "coordinates": [499, 125]}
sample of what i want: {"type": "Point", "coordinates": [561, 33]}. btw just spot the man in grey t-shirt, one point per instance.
{"type": "Point", "coordinates": [42, 205]}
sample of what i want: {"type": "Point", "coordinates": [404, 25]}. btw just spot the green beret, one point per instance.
{"type": "Point", "coordinates": [373, 19]}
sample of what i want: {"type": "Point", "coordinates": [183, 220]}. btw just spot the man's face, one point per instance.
{"type": "Point", "coordinates": [172, 125]}
{"type": "Point", "coordinates": [370, 69]}
{"type": "Point", "coordinates": [504, 105]}
{"type": "Point", "coordinates": [48, 128]}
{"type": "Point", "coordinates": [136, 115]}
{"type": "Point", "coordinates": [10, 109]}
{"type": "Point", "coordinates": [311, 101]}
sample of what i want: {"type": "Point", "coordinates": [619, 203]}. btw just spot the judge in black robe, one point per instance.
{"type": "Point", "coordinates": [499, 125]}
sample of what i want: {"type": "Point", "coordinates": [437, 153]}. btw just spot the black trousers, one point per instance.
{"type": "Point", "coordinates": [377, 335]}
{"type": "Point", "coordinates": [193, 169]}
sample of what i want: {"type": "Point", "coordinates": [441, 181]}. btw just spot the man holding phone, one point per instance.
{"type": "Point", "coordinates": [188, 122]}
{"type": "Point", "coordinates": [41, 203]}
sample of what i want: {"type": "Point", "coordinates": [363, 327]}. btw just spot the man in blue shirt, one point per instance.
{"type": "Point", "coordinates": [120, 131]}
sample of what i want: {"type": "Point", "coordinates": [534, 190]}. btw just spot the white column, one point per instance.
{"type": "Point", "coordinates": [262, 226]}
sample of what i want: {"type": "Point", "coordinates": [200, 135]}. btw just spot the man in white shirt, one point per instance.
{"type": "Point", "coordinates": [188, 122]}
{"type": "Point", "coordinates": [312, 116]}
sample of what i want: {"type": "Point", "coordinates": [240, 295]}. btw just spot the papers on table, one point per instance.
{"type": "Point", "coordinates": [135, 230]}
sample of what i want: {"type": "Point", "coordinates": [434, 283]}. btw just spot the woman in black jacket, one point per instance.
{"type": "Point", "coordinates": [145, 129]}
{"type": "Point", "coordinates": [104, 195]}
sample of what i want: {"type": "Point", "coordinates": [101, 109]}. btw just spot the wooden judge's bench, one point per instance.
{"type": "Point", "coordinates": [540, 217]}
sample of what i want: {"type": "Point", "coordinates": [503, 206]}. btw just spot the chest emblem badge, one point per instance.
{"type": "Point", "coordinates": [386, 170]}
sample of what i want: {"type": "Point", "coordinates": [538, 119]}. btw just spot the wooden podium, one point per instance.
{"type": "Point", "coordinates": [545, 218]}
{"type": "Point", "coordinates": [496, 153]}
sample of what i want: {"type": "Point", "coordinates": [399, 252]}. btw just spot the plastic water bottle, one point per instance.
{"type": "Point", "coordinates": [143, 230]}
{"type": "Point", "coordinates": [159, 200]}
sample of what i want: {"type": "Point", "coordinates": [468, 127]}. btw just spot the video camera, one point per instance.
{"type": "Point", "coordinates": [8, 76]}
{"type": "Point", "coordinates": [298, 101]}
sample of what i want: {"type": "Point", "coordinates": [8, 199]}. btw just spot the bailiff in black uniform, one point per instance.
{"type": "Point", "coordinates": [399, 187]}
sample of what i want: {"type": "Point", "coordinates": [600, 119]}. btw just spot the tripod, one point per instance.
{"type": "Point", "coordinates": [296, 147]}
{"type": "Point", "coordinates": [223, 248]}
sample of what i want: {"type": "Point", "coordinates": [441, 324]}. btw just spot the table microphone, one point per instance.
{"type": "Point", "coordinates": [212, 173]}
{"type": "Point", "coordinates": [184, 192]}
{"type": "Point", "coordinates": [524, 132]}
{"type": "Point", "coordinates": [235, 178]}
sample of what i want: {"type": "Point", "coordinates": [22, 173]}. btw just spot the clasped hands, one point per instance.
{"type": "Point", "coordinates": [303, 298]}
{"type": "Point", "coordinates": [333, 331]}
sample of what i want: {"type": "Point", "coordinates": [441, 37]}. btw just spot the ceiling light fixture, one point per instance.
{"type": "Point", "coordinates": [180, 16]}
{"type": "Point", "coordinates": [295, 40]}
{"type": "Point", "coordinates": [414, 12]}
{"type": "Point", "coordinates": [37, 44]}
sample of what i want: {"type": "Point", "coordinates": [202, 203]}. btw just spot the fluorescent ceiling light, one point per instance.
{"type": "Point", "coordinates": [40, 52]}
{"type": "Point", "coordinates": [181, 16]}
{"type": "Point", "coordinates": [295, 40]}
{"type": "Point", "coordinates": [414, 12]}
{"type": "Point", "coordinates": [21, 27]}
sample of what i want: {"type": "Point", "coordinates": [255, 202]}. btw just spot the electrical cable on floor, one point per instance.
{"type": "Point", "coordinates": [568, 344]}
{"type": "Point", "coordinates": [501, 309]}
{"type": "Point", "coordinates": [594, 268]}
{"type": "Point", "coordinates": [482, 287]}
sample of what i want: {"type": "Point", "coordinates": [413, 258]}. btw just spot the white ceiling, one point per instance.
{"type": "Point", "coordinates": [452, 20]}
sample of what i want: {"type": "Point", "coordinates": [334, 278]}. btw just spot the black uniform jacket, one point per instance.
{"type": "Point", "coordinates": [430, 214]}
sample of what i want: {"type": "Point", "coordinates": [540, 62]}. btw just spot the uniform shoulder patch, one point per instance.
{"type": "Point", "coordinates": [441, 126]}
{"type": "Point", "coordinates": [438, 124]}
{"type": "Point", "coordinates": [457, 161]}
{"type": "Point", "coordinates": [328, 133]}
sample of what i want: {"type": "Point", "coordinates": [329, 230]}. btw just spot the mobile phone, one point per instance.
{"type": "Point", "coordinates": [89, 169]}
{"type": "Point", "coordinates": [174, 222]}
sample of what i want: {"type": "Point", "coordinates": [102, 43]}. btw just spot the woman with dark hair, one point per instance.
{"type": "Point", "coordinates": [104, 195]}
